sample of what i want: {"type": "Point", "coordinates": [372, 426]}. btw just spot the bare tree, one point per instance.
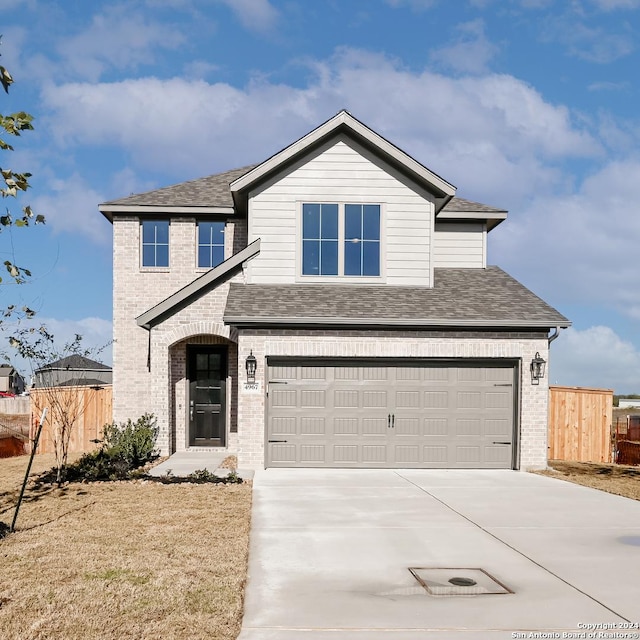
{"type": "Point", "coordinates": [64, 383]}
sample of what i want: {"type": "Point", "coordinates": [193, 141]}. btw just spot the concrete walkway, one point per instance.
{"type": "Point", "coordinates": [331, 550]}
{"type": "Point", "coordinates": [184, 463]}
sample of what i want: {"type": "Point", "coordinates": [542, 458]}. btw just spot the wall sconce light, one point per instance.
{"type": "Point", "coordinates": [537, 369]}
{"type": "Point", "coordinates": [251, 364]}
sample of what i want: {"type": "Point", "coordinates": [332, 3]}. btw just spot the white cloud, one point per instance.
{"type": "Point", "coordinates": [612, 5]}
{"type": "Point", "coordinates": [495, 133]}
{"type": "Point", "coordinates": [471, 52]}
{"type": "Point", "coordinates": [12, 5]}
{"type": "Point", "coordinates": [117, 38]}
{"type": "Point", "coordinates": [197, 69]}
{"type": "Point", "coordinates": [534, 4]}
{"type": "Point", "coordinates": [591, 43]}
{"type": "Point", "coordinates": [11, 45]}
{"type": "Point", "coordinates": [97, 334]}
{"type": "Point", "coordinates": [126, 182]}
{"type": "Point", "coordinates": [255, 15]}
{"type": "Point", "coordinates": [416, 5]}
{"type": "Point", "coordinates": [608, 86]}
{"type": "Point", "coordinates": [580, 246]}
{"type": "Point", "coordinates": [69, 205]}
{"type": "Point", "coordinates": [595, 357]}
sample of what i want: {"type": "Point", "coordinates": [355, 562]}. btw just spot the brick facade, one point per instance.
{"type": "Point", "coordinates": [150, 366]}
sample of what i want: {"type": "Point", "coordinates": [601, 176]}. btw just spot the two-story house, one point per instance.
{"type": "Point", "coordinates": [331, 306]}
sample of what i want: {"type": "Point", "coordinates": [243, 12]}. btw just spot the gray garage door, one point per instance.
{"type": "Point", "coordinates": [392, 414]}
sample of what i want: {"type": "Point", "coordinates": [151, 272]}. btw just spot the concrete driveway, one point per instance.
{"type": "Point", "coordinates": [331, 551]}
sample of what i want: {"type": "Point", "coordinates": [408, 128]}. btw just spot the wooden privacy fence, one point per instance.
{"type": "Point", "coordinates": [580, 424]}
{"type": "Point", "coordinates": [95, 412]}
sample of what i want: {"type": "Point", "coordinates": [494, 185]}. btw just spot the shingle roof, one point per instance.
{"type": "Point", "coordinates": [76, 362]}
{"type": "Point", "coordinates": [460, 297]}
{"type": "Point", "coordinates": [468, 206]}
{"type": "Point", "coordinates": [82, 382]}
{"type": "Point", "coordinates": [213, 191]}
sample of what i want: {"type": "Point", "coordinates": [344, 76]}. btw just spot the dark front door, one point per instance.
{"type": "Point", "coordinates": [207, 371]}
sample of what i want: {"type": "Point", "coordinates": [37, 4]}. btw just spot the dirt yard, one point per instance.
{"type": "Point", "coordinates": [618, 479]}
{"type": "Point", "coordinates": [122, 560]}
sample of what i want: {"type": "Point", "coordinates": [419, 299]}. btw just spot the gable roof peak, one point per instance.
{"type": "Point", "coordinates": [442, 190]}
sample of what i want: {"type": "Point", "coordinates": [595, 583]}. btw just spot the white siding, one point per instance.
{"type": "Point", "coordinates": [459, 244]}
{"type": "Point", "coordinates": [341, 172]}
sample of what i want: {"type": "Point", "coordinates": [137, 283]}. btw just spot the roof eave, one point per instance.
{"type": "Point", "coordinates": [492, 219]}
{"type": "Point", "coordinates": [108, 210]}
{"type": "Point", "coordinates": [45, 368]}
{"type": "Point", "coordinates": [399, 322]}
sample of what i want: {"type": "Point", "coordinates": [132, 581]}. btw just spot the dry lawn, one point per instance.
{"type": "Point", "coordinates": [122, 560]}
{"type": "Point", "coordinates": [619, 479]}
{"type": "Point", "coordinates": [11, 424]}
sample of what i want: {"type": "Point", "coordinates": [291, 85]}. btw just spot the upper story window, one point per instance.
{"type": "Point", "coordinates": [320, 239]}
{"type": "Point", "coordinates": [340, 240]}
{"type": "Point", "coordinates": [210, 244]}
{"type": "Point", "coordinates": [155, 243]}
{"type": "Point", "coordinates": [362, 240]}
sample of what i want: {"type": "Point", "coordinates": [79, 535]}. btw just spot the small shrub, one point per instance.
{"type": "Point", "coordinates": [202, 475]}
{"type": "Point", "coordinates": [135, 441]}
{"type": "Point", "coordinates": [103, 464]}
{"type": "Point", "coordinates": [125, 448]}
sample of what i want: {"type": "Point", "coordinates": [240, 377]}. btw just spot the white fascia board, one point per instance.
{"type": "Point", "coordinates": [472, 215]}
{"type": "Point", "coordinates": [396, 154]}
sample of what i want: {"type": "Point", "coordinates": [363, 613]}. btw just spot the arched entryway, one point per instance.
{"type": "Point", "coordinates": [203, 382]}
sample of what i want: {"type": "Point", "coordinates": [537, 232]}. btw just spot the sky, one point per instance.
{"type": "Point", "coordinates": [526, 105]}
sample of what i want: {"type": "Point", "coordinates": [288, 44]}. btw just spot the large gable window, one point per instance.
{"type": "Point", "coordinates": [210, 244]}
{"type": "Point", "coordinates": [341, 240]}
{"type": "Point", "coordinates": [155, 243]}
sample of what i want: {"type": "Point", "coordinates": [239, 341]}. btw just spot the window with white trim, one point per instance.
{"type": "Point", "coordinates": [155, 243]}
{"type": "Point", "coordinates": [340, 239]}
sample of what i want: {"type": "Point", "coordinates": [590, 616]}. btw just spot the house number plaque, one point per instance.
{"type": "Point", "coordinates": [251, 387]}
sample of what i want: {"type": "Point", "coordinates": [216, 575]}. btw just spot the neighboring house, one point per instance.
{"type": "Point", "coordinates": [74, 370]}
{"type": "Point", "coordinates": [10, 380]}
{"type": "Point", "coordinates": [354, 283]}
{"type": "Point", "coordinates": [628, 403]}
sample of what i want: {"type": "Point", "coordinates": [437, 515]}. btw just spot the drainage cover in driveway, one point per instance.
{"type": "Point", "coordinates": [458, 582]}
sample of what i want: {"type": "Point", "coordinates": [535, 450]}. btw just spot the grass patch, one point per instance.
{"type": "Point", "coordinates": [112, 560]}
{"type": "Point", "coordinates": [612, 478]}
{"type": "Point", "coordinates": [125, 575]}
